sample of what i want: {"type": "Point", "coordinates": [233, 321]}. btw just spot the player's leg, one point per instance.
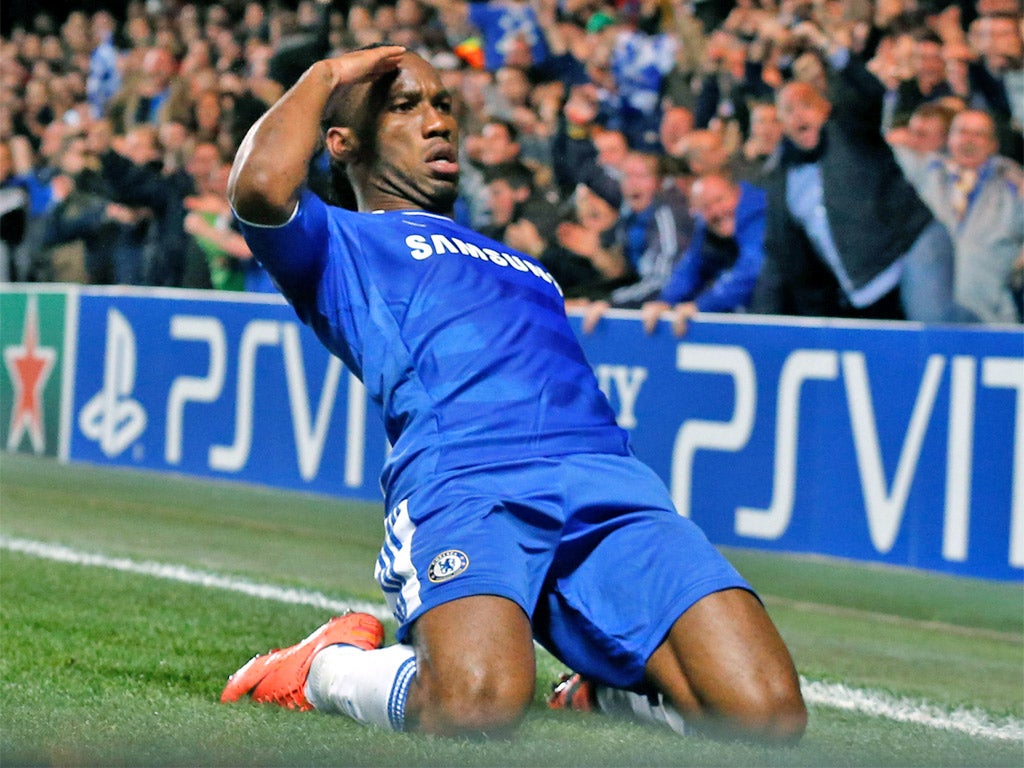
{"type": "Point", "coordinates": [470, 671]}
{"type": "Point", "coordinates": [739, 682]}
{"type": "Point", "coordinates": [475, 668]}
{"type": "Point", "coordinates": [727, 671]}
{"type": "Point", "coordinates": [463, 562]}
{"type": "Point", "coordinates": [638, 598]}
{"type": "Point", "coordinates": [459, 567]}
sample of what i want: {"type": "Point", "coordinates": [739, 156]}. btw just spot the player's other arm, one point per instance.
{"type": "Point", "coordinates": [270, 168]}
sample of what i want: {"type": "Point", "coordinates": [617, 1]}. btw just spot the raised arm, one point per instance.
{"type": "Point", "coordinates": [270, 168]}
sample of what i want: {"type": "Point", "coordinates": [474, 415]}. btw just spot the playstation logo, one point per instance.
{"type": "Point", "coordinates": [112, 418]}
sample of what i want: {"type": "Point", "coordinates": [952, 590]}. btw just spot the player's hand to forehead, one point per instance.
{"type": "Point", "coordinates": [272, 162]}
{"type": "Point", "coordinates": [362, 66]}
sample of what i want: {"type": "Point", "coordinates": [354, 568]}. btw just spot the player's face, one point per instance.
{"type": "Point", "coordinates": [417, 142]}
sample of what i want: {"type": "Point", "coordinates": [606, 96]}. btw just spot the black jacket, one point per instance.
{"type": "Point", "coordinates": [873, 212]}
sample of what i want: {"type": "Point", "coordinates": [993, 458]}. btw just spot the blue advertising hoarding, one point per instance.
{"type": "Point", "coordinates": [891, 443]}
{"type": "Point", "coordinates": [219, 388]}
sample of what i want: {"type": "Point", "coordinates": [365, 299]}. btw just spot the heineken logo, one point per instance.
{"type": "Point", "coordinates": [29, 365]}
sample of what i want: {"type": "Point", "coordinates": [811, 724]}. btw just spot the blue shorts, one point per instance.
{"type": "Point", "coordinates": [589, 545]}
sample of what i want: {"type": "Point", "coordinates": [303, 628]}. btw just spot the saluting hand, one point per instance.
{"type": "Point", "coordinates": [362, 66]}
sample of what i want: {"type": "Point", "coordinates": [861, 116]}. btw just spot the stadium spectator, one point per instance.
{"type": "Point", "coordinates": [511, 92]}
{"type": "Point", "coordinates": [33, 171]}
{"type": "Point", "coordinates": [152, 96]}
{"type": "Point", "coordinates": [759, 152]}
{"type": "Point", "coordinates": [957, 56]}
{"type": "Point", "coordinates": [997, 77]}
{"type": "Point", "coordinates": [201, 162]}
{"type": "Point", "coordinates": [151, 251]}
{"type": "Point", "coordinates": [703, 151]}
{"type": "Point", "coordinates": [512, 198]}
{"type": "Point", "coordinates": [535, 124]}
{"type": "Point", "coordinates": [846, 233]}
{"type": "Point", "coordinates": [655, 226]}
{"type": "Point", "coordinates": [653, 233]}
{"type": "Point", "coordinates": [978, 196]}
{"type": "Point", "coordinates": [510, 32]}
{"type": "Point", "coordinates": [676, 123]}
{"type": "Point", "coordinates": [212, 229]}
{"type": "Point", "coordinates": [732, 79]}
{"type": "Point", "coordinates": [612, 151]}
{"type": "Point", "coordinates": [253, 24]}
{"type": "Point", "coordinates": [207, 118]}
{"type": "Point", "coordinates": [510, 102]}
{"type": "Point", "coordinates": [928, 83]}
{"type": "Point", "coordinates": [572, 146]}
{"type": "Point", "coordinates": [520, 555]}
{"type": "Point", "coordinates": [104, 79]}
{"type": "Point", "coordinates": [36, 110]}
{"type": "Point", "coordinates": [72, 239]}
{"type": "Point", "coordinates": [496, 144]}
{"type": "Point", "coordinates": [719, 270]}
{"type": "Point", "coordinates": [583, 255]}
{"type": "Point", "coordinates": [639, 63]}
{"type": "Point", "coordinates": [14, 210]}
{"type": "Point", "coordinates": [569, 44]}
{"type": "Point", "coordinates": [927, 129]}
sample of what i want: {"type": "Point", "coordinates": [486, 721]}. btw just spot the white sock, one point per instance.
{"type": "Point", "coordinates": [369, 686]}
{"type": "Point", "coordinates": [637, 706]}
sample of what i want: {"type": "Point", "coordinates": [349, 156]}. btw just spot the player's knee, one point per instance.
{"type": "Point", "coordinates": [774, 712]}
{"type": "Point", "coordinates": [484, 702]}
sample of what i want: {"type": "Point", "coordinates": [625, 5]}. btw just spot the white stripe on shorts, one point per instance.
{"type": "Point", "coordinates": [395, 572]}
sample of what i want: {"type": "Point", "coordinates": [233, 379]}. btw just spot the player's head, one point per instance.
{"type": "Point", "coordinates": [397, 138]}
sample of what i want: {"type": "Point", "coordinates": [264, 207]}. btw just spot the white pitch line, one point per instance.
{"type": "Point", "coordinates": [186, 575]}
{"type": "Point", "coordinates": [973, 722]}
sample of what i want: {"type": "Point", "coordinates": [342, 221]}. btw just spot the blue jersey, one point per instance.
{"type": "Point", "coordinates": [463, 344]}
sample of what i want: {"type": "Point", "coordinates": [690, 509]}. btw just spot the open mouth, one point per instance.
{"type": "Point", "coordinates": [442, 160]}
{"type": "Point", "coordinates": [804, 135]}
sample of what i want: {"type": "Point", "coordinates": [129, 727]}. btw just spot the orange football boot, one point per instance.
{"type": "Point", "coordinates": [279, 677]}
{"type": "Point", "coordinates": [573, 691]}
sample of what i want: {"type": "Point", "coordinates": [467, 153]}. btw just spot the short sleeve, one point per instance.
{"type": "Point", "coordinates": [294, 253]}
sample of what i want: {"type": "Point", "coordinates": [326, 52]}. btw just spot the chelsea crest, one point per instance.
{"type": "Point", "coordinates": [447, 565]}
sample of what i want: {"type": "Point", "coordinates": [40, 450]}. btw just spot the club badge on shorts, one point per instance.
{"type": "Point", "coordinates": [447, 565]}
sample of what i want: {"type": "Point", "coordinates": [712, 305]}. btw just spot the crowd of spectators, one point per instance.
{"type": "Point", "coordinates": [807, 157]}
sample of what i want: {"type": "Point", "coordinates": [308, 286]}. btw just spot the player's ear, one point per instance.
{"type": "Point", "coordinates": [342, 143]}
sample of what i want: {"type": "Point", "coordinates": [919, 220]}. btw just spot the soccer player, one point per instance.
{"type": "Point", "coordinates": [516, 510]}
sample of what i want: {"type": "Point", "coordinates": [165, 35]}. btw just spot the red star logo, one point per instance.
{"type": "Point", "coordinates": [29, 366]}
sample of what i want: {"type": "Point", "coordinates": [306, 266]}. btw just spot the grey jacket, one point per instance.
{"type": "Point", "coordinates": [990, 237]}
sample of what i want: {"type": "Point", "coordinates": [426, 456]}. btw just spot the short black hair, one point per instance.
{"type": "Point", "coordinates": [374, 102]}
{"type": "Point", "coordinates": [514, 172]}
{"type": "Point", "coordinates": [927, 36]}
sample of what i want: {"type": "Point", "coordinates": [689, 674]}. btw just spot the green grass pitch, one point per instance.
{"type": "Point", "coordinates": [108, 667]}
